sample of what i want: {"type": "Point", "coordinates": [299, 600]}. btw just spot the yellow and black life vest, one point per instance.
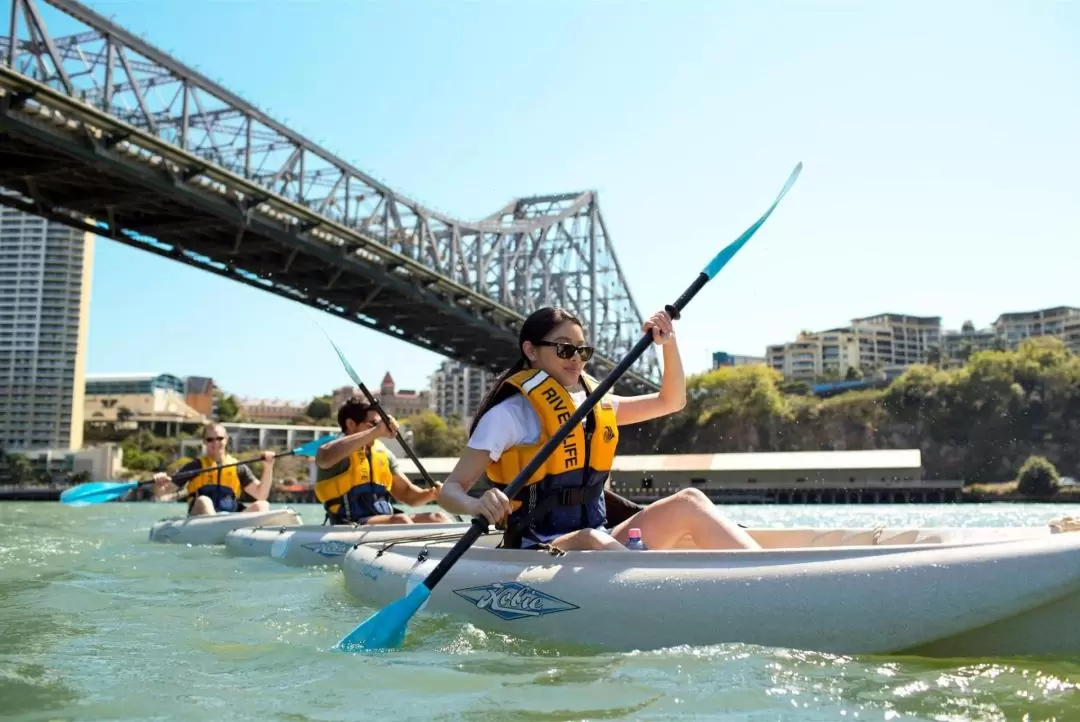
{"type": "Point", "coordinates": [358, 487]}
{"type": "Point", "coordinates": [222, 486]}
{"type": "Point", "coordinates": [567, 492]}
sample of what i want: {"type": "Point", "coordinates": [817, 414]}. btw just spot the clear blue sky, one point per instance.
{"type": "Point", "coordinates": [940, 142]}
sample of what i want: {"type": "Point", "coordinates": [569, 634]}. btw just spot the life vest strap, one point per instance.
{"type": "Point", "coordinates": [574, 496]}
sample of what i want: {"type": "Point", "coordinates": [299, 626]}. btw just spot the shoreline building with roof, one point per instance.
{"type": "Point", "coordinates": [139, 398]}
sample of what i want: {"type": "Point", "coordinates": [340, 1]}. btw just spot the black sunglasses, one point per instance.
{"type": "Point", "coordinates": [566, 351]}
{"type": "Point", "coordinates": [214, 438]}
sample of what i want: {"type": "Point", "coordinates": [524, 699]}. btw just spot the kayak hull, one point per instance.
{"type": "Point", "coordinates": [931, 592]}
{"type": "Point", "coordinates": [210, 529]}
{"type": "Point", "coordinates": [256, 541]}
{"type": "Point", "coordinates": [321, 545]}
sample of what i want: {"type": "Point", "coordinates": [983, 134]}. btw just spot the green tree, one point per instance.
{"type": "Point", "coordinates": [433, 437]}
{"type": "Point", "coordinates": [795, 388]}
{"type": "Point", "coordinates": [228, 407]}
{"type": "Point", "coordinates": [20, 469]}
{"type": "Point", "coordinates": [1038, 477]}
{"type": "Point", "coordinates": [145, 452]}
{"type": "Point", "coordinates": [143, 461]}
{"type": "Point", "coordinates": [319, 408]}
{"type": "Point", "coordinates": [933, 356]}
{"type": "Point", "coordinates": [732, 407]}
{"type": "Point", "coordinates": [145, 440]}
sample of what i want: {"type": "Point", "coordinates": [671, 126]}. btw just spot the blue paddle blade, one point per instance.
{"type": "Point", "coordinates": [96, 492]}
{"type": "Point", "coordinates": [386, 628]}
{"type": "Point", "coordinates": [732, 248]}
{"type": "Point", "coordinates": [311, 447]}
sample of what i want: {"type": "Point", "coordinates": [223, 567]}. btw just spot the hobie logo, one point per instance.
{"type": "Point", "coordinates": [510, 600]}
{"type": "Point", "coordinates": [332, 548]}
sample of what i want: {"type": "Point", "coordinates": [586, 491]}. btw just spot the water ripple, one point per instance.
{"type": "Point", "coordinates": [100, 624]}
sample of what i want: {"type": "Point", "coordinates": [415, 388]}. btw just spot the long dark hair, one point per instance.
{"type": "Point", "coordinates": [539, 324]}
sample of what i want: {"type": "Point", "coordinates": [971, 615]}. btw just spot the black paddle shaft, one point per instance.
{"type": "Point", "coordinates": [479, 523]}
{"type": "Point", "coordinates": [189, 474]}
{"type": "Point", "coordinates": [401, 439]}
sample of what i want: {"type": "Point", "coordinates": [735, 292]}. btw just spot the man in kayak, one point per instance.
{"type": "Point", "coordinates": [358, 478]}
{"type": "Point", "coordinates": [524, 408]}
{"type": "Point", "coordinates": [229, 489]}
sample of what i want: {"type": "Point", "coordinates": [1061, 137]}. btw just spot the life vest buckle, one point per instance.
{"type": "Point", "coordinates": [553, 551]}
{"type": "Point", "coordinates": [571, 497]}
{"type": "Point", "coordinates": [578, 495]}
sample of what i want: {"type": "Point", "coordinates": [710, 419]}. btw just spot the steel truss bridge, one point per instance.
{"type": "Point", "coordinates": [103, 132]}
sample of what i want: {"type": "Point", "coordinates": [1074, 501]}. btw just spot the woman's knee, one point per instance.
{"type": "Point", "coordinates": [594, 539]}
{"type": "Point", "coordinates": [691, 497]}
{"type": "Point", "coordinates": [587, 540]}
{"type": "Point", "coordinates": [202, 505]}
{"type": "Point", "coordinates": [431, 517]}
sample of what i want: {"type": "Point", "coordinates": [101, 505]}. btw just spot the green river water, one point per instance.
{"type": "Point", "coordinates": [97, 623]}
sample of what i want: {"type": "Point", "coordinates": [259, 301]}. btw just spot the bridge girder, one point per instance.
{"type": "Point", "coordinates": [105, 132]}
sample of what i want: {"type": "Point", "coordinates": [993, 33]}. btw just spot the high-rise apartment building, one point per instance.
{"type": "Point", "coordinates": [457, 388]}
{"type": "Point", "coordinates": [912, 337]}
{"type": "Point", "coordinates": [45, 272]}
{"type": "Point", "coordinates": [1060, 321]}
{"type": "Point", "coordinates": [875, 343]}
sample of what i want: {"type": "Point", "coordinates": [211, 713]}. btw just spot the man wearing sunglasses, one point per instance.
{"type": "Point", "coordinates": [359, 479]}
{"type": "Point", "coordinates": [218, 487]}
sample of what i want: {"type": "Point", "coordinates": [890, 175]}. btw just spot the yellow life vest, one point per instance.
{"type": "Point", "coordinates": [209, 483]}
{"type": "Point", "coordinates": [567, 491]}
{"type": "Point", "coordinates": [363, 481]}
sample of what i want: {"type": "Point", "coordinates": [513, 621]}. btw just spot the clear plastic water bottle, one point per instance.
{"type": "Point", "coordinates": [634, 543]}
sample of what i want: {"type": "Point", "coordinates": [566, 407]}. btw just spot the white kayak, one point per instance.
{"type": "Point", "coordinates": [312, 545]}
{"type": "Point", "coordinates": [212, 528]}
{"type": "Point", "coordinates": [931, 592]}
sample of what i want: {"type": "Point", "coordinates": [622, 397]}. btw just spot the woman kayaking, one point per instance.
{"type": "Point", "coordinates": [524, 408]}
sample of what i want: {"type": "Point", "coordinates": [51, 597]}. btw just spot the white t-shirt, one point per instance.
{"type": "Point", "coordinates": [512, 422]}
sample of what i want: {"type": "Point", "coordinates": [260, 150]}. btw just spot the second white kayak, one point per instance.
{"type": "Point", "coordinates": [212, 528]}
{"type": "Point", "coordinates": [318, 545]}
